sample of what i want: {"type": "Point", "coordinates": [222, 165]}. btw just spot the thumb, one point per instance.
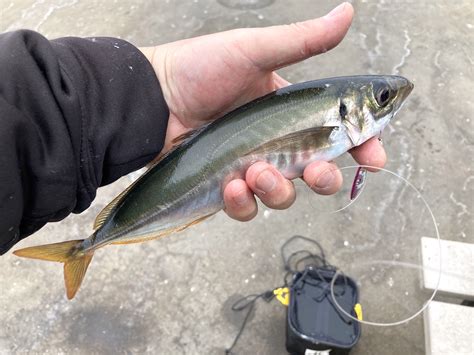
{"type": "Point", "coordinates": [274, 47]}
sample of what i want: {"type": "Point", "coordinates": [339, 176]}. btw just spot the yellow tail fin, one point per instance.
{"type": "Point", "coordinates": [75, 261]}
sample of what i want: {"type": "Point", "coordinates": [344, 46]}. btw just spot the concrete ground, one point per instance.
{"type": "Point", "coordinates": [173, 296]}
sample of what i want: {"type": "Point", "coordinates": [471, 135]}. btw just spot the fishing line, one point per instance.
{"type": "Point", "coordinates": [302, 261]}
{"type": "Point", "coordinates": [352, 200]}
{"type": "Point", "coordinates": [393, 262]}
{"type": "Point", "coordinates": [313, 262]}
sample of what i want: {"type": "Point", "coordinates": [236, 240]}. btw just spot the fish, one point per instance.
{"type": "Point", "coordinates": [288, 128]}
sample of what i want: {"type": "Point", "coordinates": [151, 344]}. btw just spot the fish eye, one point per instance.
{"type": "Point", "coordinates": [342, 109]}
{"type": "Point", "coordinates": [383, 96]}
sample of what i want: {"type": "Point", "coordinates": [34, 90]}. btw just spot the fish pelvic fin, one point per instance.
{"type": "Point", "coordinates": [69, 253]}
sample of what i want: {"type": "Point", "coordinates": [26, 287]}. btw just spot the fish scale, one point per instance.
{"type": "Point", "coordinates": [289, 128]}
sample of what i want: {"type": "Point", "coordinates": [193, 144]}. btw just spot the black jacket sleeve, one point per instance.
{"type": "Point", "coordinates": [75, 114]}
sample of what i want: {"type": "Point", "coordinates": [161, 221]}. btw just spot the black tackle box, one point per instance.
{"type": "Point", "coordinates": [315, 324]}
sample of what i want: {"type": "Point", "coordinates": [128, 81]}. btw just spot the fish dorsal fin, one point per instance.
{"type": "Point", "coordinates": [102, 216]}
{"type": "Point", "coordinates": [182, 137]}
{"type": "Point", "coordinates": [317, 137]}
{"type": "Point", "coordinates": [177, 142]}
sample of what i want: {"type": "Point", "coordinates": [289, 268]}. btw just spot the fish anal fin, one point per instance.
{"type": "Point", "coordinates": [159, 235]}
{"type": "Point", "coordinates": [317, 137]}
{"type": "Point", "coordinates": [144, 238]}
{"type": "Point", "coordinates": [196, 221]}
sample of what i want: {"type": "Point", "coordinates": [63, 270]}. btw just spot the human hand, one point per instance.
{"type": "Point", "coordinates": [205, 77]}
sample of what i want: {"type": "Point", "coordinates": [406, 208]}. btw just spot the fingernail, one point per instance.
{"type": "Point", "coordinates": [325, 180]}
{"type": "Point", "coordinates": [241, 198]}
{"type": "Point", "coordinates": [266, 181]}
{"type": "Point", "coordinates": [337, 10]}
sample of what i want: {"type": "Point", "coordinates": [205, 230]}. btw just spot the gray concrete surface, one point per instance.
{"type": "Point", "coordinates": [449, 329]}
{"type": "Point", "coordinates": [173, 296]}
{"type": "Point", "coordinates": [456, 280]}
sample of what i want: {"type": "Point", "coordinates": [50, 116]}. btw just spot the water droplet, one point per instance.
{"type": "Point", "coordinates": [246, 281]}
{"type": "Point", "coordinates": [253, 276]}
{"type": "Point", "coordinates": [346, 243]}
{"type": "Point", "coordinates": [390, 282]}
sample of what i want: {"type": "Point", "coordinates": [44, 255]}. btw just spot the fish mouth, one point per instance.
{"type": "Point", "coordinates": [404, 91]}
{"type": "Point", "coordinates": [402, 86]}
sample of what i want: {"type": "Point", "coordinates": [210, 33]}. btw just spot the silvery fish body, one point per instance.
{"type": "Point", "coordinates": [289, 128]}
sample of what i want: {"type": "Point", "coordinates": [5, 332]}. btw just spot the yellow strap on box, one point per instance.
{"type": "Point", "coordinates": [358, 310]}
{"type": "Point", "coordinates": [282, 294]}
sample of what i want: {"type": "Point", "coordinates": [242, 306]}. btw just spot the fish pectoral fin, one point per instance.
{"type": "Point", "coordinates": [317, 137]}
{"type": "Point", "coordinates": [75, 263]}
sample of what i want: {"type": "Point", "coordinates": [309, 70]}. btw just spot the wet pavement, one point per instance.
{"type": "Point", "coordinates": [174, 296]}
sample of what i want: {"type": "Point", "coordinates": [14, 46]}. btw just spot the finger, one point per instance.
{"type": "Point", "coordinates": [274, 47]}
{"type": "Point", "coordinates": [279, 81]}
{"type": "Point", "coordinates": [239, 201]}
{"type": "Point", "coordinates": [370, 153]}
{"type": "Point", "coordinates": [270, 186]}
{"type": "Point", "coordinates": [323, 177]}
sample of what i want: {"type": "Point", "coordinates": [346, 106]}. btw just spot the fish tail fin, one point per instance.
{"type": "Point", "coordinates": [75, 261]}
